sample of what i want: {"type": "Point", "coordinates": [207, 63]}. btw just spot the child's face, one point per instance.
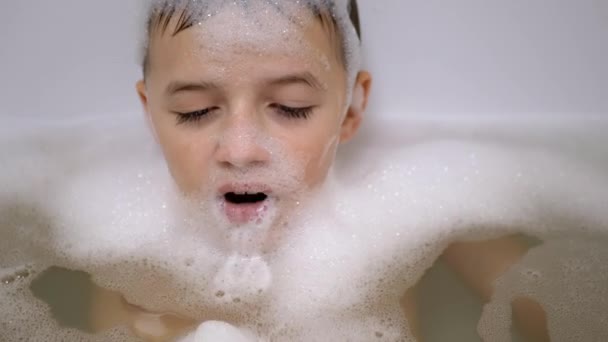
{"type": "Point", "coordinates": [268, 109]}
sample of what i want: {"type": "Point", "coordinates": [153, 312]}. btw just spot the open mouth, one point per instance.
{"type": "Point", "coordinates": [241, 207]}
{"type": "Point", "coordinates": [245, 198]}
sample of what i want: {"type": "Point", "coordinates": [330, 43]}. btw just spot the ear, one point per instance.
{"type": "Point", "coordinates": [143, 97]}
{"type": "Point", "coordinates": [357, 107]}
{"type": "Point", "coordinates": [140, 86]}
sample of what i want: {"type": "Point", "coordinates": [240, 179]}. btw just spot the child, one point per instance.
{"type": "Point", "coordinates": [249, 101]}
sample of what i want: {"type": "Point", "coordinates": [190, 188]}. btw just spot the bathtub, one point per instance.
{"type": "Point", "coordinates": [461, 77]}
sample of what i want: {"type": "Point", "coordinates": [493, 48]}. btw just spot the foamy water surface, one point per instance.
{"type": "Point", "coordinates": [95, 196]}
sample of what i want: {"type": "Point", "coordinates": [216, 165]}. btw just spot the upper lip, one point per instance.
{"type": "Point", "coordinates": [244, 188]}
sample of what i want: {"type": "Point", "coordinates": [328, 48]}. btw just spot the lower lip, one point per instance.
{"type": "Point", "coordinates": [244, 213]}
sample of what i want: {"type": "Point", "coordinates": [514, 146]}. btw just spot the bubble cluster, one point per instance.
{"type": "Point", "coordinates": [343, 259]}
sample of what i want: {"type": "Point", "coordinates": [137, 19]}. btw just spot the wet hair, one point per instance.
{"type": "Point", "coordinates": [164, 11]}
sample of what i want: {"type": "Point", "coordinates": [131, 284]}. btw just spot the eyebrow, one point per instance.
{"type": "Point", "coordinates": [306, 78]}
{"type": "Point", "coordinates": [181, 86]}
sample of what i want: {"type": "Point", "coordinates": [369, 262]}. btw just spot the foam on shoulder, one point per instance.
{"type": "Point", "coordinates": [348, 256]}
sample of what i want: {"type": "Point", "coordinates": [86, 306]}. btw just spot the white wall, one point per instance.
{"type": "Point", "coordinates": [516, 56]}
{"type": "Point", "coordinates": [67, 57]}
{"type": "Point", "coordinates": [77, 57]}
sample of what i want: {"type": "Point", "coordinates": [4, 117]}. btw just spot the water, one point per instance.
{"type": "Point", "coordinates": [541, 177]}
{"type": "Point", "coordinates": [443, 299]}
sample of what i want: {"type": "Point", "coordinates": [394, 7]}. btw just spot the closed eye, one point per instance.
{"type": "Point", "coordinates": [183, 118]}
{"type": "Point", "coordinates": [293, 112]}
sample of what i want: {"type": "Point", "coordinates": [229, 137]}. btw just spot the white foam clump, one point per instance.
{"type": "Point", "coordinates": [218, 331]}
{"type": "Point", "coordinates": [344, 263]}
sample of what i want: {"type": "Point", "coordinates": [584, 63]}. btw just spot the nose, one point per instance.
{"type": "Point", "coordinates": [241, 144]}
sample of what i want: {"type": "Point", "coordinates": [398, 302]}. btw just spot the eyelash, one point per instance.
{"type": "Point", "coordinates": [289, 112]}
{"type": "Point", "coordinates": [292, 112]}
{"type": "Point", "coordinates": [183, 118]}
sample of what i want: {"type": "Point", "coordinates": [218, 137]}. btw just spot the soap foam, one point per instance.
{"type": "Point", "coordinates": [346, 257]}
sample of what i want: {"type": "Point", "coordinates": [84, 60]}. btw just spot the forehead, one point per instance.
{"type": "Point", "coordinates": [238, 35]}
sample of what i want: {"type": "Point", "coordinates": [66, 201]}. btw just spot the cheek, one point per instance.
{"type": "Point", "coordinates": [322, 158]}
{"type": "Point", "coordinates": [316, 146]}
{"type": "Point", "coordinates": [187, 154]}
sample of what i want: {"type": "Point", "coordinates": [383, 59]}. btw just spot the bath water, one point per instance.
{"type": "Point", "coordinates": [78, 198]}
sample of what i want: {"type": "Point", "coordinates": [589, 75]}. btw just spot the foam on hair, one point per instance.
{"type": "Point", "coordinates": [251, 20]}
